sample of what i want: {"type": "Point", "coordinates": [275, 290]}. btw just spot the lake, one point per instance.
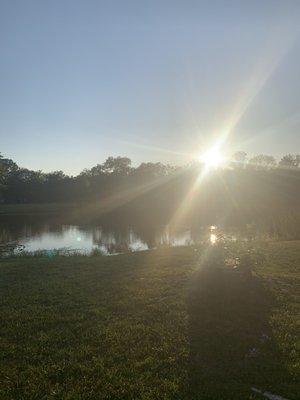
{"type": "Point", "coordinates": [36, 233]}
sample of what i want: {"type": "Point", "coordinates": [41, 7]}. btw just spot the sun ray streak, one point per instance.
{"type": "Point", "coordinates": [263, 72]}
{"type": "Point", "coordinates": [155, 148]}
{"type": "Point", "coordinates": [186, 204]}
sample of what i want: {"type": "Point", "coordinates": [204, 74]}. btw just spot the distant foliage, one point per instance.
{"type": "Point", "coordinates": [263, 160]}
{"type": "Point", "coordinates": [290, 160]}
{"type": "Point", "coordinates": [236, 191]}
{"type": "Point", "coordinates": [240, 157]}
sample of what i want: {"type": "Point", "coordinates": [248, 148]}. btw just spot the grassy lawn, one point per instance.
{"type": "Point", "coordinates": [162, 324]}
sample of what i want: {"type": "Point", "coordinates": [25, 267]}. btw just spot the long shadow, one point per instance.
{"type": "Point", "coordinates": [231, 343]}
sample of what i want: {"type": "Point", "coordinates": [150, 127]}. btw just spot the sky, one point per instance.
{"type": "Point", "coordinates": [82, 80]}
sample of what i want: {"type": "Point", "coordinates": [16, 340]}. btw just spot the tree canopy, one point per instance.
{"type": "Point", "coordinates": [21, 185]}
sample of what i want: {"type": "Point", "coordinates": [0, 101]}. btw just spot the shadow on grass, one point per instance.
{"type": "Point", "coordinates": [231, 344]}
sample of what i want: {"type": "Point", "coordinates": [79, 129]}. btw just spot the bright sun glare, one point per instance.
{"type": "Point", "coordinates": [212, 157]}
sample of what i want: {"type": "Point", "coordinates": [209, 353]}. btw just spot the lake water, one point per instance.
{"type": "Point", "coordinates": [47, 233]}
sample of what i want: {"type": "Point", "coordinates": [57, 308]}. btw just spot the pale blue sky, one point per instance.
{"type": "Point", "coordinates": [153, 80]}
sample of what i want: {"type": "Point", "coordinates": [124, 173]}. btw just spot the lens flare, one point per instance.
{"type": "Point", "coordinates": [212, 157]}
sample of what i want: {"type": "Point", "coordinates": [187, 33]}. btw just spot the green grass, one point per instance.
{"type": "Point", "coordinates": [163, 324]}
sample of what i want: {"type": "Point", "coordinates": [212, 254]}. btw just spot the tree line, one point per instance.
{"type": "Point", "coordinates": [263, 160]}
{"type": "Point", "coordinates": [116, 174]}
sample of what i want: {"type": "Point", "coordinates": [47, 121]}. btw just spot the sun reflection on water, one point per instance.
{"type": "Point", "coordinates": [213, 237]}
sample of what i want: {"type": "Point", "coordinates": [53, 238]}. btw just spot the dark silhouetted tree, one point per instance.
{"type": "Point", "coordinates": [117, 166]}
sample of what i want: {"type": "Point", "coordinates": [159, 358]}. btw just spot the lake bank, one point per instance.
{"type": "Point", "coordinates": [148, 325]}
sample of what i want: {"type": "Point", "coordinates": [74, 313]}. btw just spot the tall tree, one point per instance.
{"type": "Point", "coordinates": [117, 165]}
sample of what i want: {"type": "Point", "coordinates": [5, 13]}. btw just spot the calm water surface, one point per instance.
{"type": "Point", "coordinates": [110, 238]}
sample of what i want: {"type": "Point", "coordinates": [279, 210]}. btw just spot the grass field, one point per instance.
{"type": "Point", "coordinates": [163, 324]}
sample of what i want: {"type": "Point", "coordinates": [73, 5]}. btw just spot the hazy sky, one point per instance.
{"type": "Point", "coordinates": [153, 80]}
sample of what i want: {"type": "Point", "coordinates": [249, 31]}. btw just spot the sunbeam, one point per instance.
{"type": "Point", "coordinates": [282, 43]}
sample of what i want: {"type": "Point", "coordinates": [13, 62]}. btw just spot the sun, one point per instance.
{"type": "Point", "coordinates": [212, 157]}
